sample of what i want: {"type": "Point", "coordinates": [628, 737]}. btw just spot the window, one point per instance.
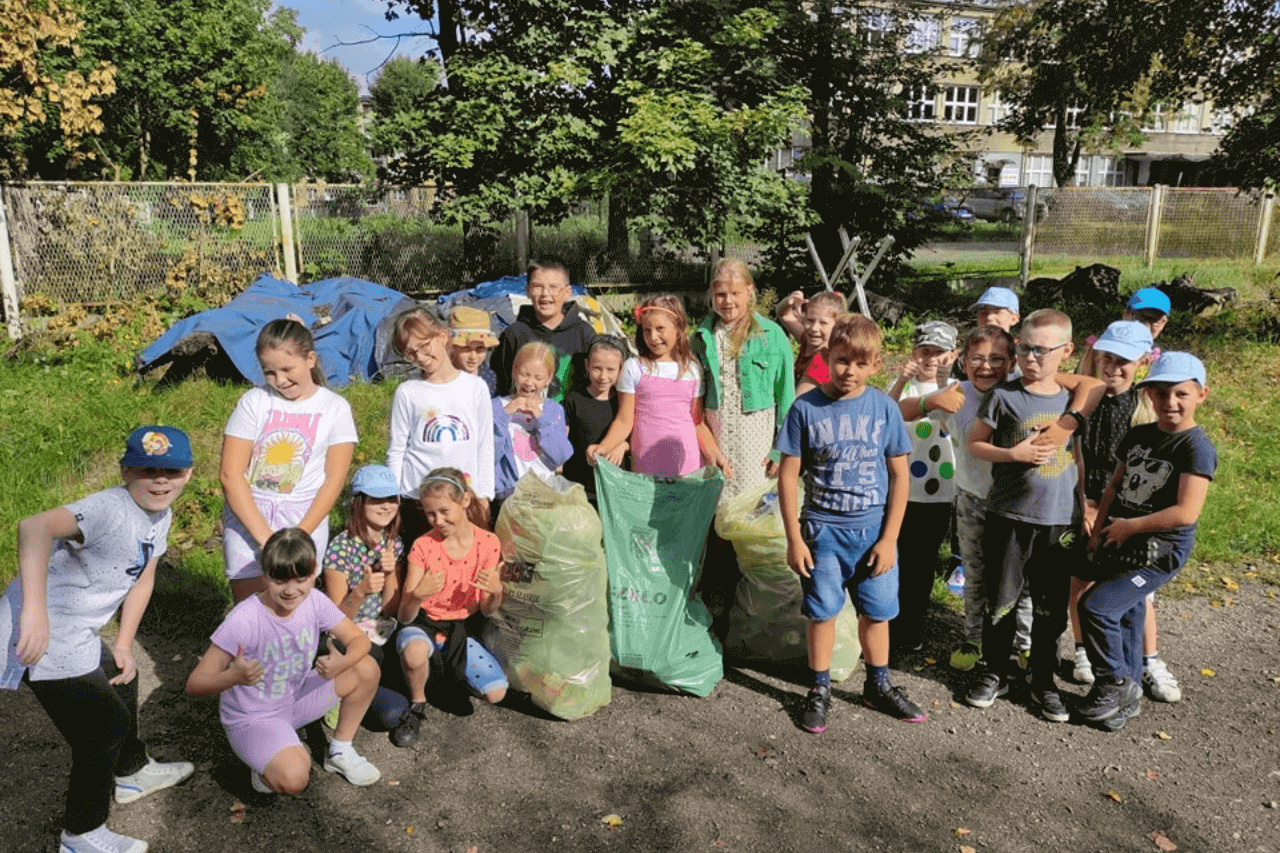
{"type": "Point", "coordinates": [961, 105]}
{"type": "Point", "coordinates": [997, 109]}
{"type": "Point", "coordinates": [1082, 171]}
{"type": "Point", "coordinates": [923, 36]}
{"type": "Point", "coordinates": [1188, 121]}
{"type": "Point", "coordinates": [1114, 172]}
{"type": "Point", "coordinates": [1220, 121]}
{"type": "Point", "coordinates": [1155, 122]}
{"type": "Point", "coordinates": [964, 37]}
{"type": "Point", "coordinates": [921, 104]}
{"type": "Point", "coordinates": [877, 28]}
{"type": "Point", "coordinates": [1040, 170]}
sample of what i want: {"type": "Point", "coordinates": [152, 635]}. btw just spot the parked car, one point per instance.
{"type": "Point", "coordinates": [1002, 204]}
{"type": "Point", "coordinates": [949, 209]}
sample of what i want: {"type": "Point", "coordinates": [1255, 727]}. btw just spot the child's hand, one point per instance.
{"type": "Point", "coordinates": [1117, 532]}
{"type": "Point", "coordinates": [123, 658]}
{"type": "Point", "coordinates": [882, 557]}
{"type": "Point", "coordinates": [770, 468]}
{"type": "Point", "coordinates": [615, 456]}
{"type": "Point", "coordinates": [799, 557]}
{"type": "Point", "coordinates": [332, 665]}
{"type": "Point", "coordinates": [529, 404]}
{"type": "Point", "coordinates": [388, 559]}
{"type": "Point", "coordinates": [949, 399]}
{"type": "Point", "coordinates": [372, 583]}
{"type": "Point", "coordinates": [910, 369]}
{"type": "Point", "coordinates": [1054, 436]}
{"type": "Point", "coordinates": [592, 450]}
{"type": "Point", "coordinates": [246, 671]}
{"type": "Point", "coordinates": [431, 583]}
{"type": "Point", "coordinates": [793, 305]}
{"type": "Point", "coordinates": [722, 462]}
{"type": "Point", "coordinates": [490, 580]}
{"type": "Point", "coordinates": [1090, 517]}
{"type": "Point", "coordinates": [1030, 452]}
{"type": "Point", "coordinates": [33, 635]}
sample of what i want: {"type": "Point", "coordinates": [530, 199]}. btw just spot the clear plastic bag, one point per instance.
{"type": "Point", "coordinates": [552, 632]}
{"type": "Point", "coordinates": [765, 624]}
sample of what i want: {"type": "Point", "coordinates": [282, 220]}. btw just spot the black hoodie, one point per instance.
{"type": "Point", "coordinates": [571, 339]}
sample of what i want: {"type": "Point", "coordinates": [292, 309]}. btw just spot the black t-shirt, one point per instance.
{"type": "Point", "coordinates": [1154, 462]}
{"type": "Point", "coordinates": [588, 419]}
{"type": "Point", "coordinates": [1100, 437]}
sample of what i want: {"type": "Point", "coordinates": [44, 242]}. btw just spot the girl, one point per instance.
{"type": "Point", "coordinates": [259, 663]}
{"type": "Point", "coordinates": [590, 411]}
{"type": "Point", "coordinates": [660, 398]}
{"type": "Point", "coordinates": [750, 384]}
{"type": "Point", "coordinates": [285, 454]}
{"type": "Point", "coordinates": [444, 417]}
{"type": "Point", "coordinates": [529, 429]}
{"type": "Point", "coordinates": [820, 315]}
{"type": "Point", "coordinates": [454, 572]}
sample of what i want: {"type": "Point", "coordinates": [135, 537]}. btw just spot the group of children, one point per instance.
{"type": "Point", "coordinates": [416, 565]}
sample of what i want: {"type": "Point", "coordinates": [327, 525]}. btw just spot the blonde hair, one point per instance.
{"type": "Point", "coordinates": [827, 299]}
{"type": "Point", "coordinates": [536, 350]}
{"type": "Point", "coordinates": [728, 271]}
{"type": "Point", "coordinates": [1049, 318]}
{"type": "Point", "coordinates": [682, 353]}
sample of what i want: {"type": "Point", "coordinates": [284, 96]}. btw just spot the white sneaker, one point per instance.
{"type": "Point", "coordinates": [354, 767]}
{"type": "Point", "coordinates": [1160, 683]}
{"type": "Point", "coordinates": [1082, 672]}
{"type": "Point", "coordinates": [100, 840]}
{"type": "Point", "coordinates": [154, 776]}
{"type": "Point", "coordinates": [259, 784]}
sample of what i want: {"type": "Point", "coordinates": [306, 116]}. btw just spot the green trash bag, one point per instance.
{"type": "Point", "coordinates": [765, 625]}
{"type": "Point", "coordinates": [551, 634]}
{"type": "Point", "coordinates": [655, 532]}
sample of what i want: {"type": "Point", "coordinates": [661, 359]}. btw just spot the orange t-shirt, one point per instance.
{"type": "Point", "coordinates": [460, 596]}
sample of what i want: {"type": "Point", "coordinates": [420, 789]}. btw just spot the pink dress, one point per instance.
{"type": "Point", "coordinates": [664, 440]}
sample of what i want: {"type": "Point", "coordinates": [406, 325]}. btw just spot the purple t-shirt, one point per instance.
{"type": "Point", "coordinates": [286, 648]}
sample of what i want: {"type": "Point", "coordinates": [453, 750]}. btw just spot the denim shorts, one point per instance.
{"type": "Point", "coordinates": [839, 563]}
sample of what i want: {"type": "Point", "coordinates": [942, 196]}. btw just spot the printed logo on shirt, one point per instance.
{"type": "Point", "coordinates": [440, 427]}
{"type": "Point", "coordinates": [1062, 458]}
{"type": "Point", "coordinates": [1143, 477]}
{"type": "Point", "coordinates": [281, 455]}
{"type": "Point", "coordinates": [282, 659]}
{"type": "Point", "coordinates": [145, 550]}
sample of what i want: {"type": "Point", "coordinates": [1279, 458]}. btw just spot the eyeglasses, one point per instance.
{"type": "Point", "coordinates": [1037, 352]}
{"type": "Point", "coordinates": [976, 361]}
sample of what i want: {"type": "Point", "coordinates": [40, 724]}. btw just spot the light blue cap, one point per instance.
{"type": "Point", "coordinates": [1174, 367]}
{"type": "Point", "coordinates": [376, 481]}
{"type": "Point", "coordinates": [1127, 339]}
{"type": "Point", "coordinates": [997, 297]}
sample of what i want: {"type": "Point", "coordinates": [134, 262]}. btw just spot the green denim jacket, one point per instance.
{"type": "Point", "coordinates": [764, 368]}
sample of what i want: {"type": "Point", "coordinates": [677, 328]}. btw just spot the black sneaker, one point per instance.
{"type": "Point", "coordinates": [988, 686]}
{"type": "Point", "coordinates": [816, 705]}
{"type": "Point", "coordinates": [1050, 704]}
{"type": "Point", "coordinates": [406, 731]}
{"type": "Point", "coordinates": [892, 701]}
{"type": "Point", "coordinates": [1127, 712]}
{"type": "Point", "coordinates": [1107, 698]}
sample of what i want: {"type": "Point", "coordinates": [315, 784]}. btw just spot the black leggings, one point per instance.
{"type": "Point", "coordinates": [100, 722]}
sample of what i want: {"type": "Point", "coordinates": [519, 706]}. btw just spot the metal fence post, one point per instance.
{"type": "Point", "coordinates": [1266, 212]}
{"type": "Point", "coordinates": [1154, 214]}
{"type": "Point", "coordinates": [286, 232]}
{"type": "Point", "coordinates": [1028, 236]}
{"type": "Point", "coordinates": [8, 282]}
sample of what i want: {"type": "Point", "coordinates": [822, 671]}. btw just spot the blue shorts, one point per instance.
{"type": "Point", "coordinates": [484, 673]}
{"type": "Point", "coordinates": [839, 563]}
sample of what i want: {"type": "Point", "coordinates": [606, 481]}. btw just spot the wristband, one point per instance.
{"type": "Point", "coordinates": [923, 410]}
{"type": "Point", "coordinates": [1079, 418]}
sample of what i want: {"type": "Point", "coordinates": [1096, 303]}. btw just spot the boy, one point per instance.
{"type": "Point", "coordinates": [851, 444]}
{"type": "Point", "coordinates": [590, 412]}
{"type": "Point", "coordinates": [470, 339]}
{"type": "Point", "coordinates": [997, 306]}
{"type": "Point", "coordinates": [1148, 306]}
{"type": "Point", "coordinates": [546, 319]}
{"type": "Point", "coordinates": [1145, 531]}
{"type": "Point", "coordinates": [932, 487]}
{"type": "Point", "coordinates": [1032, 513]}
{"type": "Point", "coordinates": [77, 564]}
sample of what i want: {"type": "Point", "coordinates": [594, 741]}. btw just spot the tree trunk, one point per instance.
{"type": "Point", "coordinates": [618, 243]}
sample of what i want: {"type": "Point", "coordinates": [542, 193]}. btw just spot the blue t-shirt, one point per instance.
{"type": "Point", "coordinates": [1036, 494]}
{"type": "Point", "coordinates": [842, 445]}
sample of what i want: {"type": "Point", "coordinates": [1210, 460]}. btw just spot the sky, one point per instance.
{"type": "Point", "coordinates": [330, 22]}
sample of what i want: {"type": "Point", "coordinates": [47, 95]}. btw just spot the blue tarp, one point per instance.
{"type": "Point", "coordinates": [352, 344]}
{"type": "Point", "coordinates": [508, 285]}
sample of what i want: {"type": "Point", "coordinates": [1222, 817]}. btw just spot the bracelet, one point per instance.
{"type": "Point", "coordinates": [923, 410]}
{"type": "Point", "coordinates": [1079, 418]}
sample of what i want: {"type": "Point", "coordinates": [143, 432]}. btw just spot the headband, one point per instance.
{"type": "Point", "coordinates": [441, 478]}
{"type": "Point", "coordinates": [640, 309]}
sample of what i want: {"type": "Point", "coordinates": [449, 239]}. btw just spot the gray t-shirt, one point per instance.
{"type": "Point", "coordinates": [1039, 494]}
{"type": "Point", "coordinates": [88, 580]}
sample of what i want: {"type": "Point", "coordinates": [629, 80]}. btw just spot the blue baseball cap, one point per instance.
{"type": "Point", "coordinates": [1127, 339]}
{"type": "Point", "coordinates": [1150, 297]}
{"type": "Point", "coordinates": [375, 481]}
{"type": "Point", "coordinates": [157, 447]}
{"type": "Point", "coordinates": [997, 297]}
{"type": "Point", "coordinates": [1174, 367]}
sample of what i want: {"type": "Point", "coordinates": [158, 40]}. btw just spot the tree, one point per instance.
{"type": "Point", "coordinates": [401, 84]}
{"type": "Point", "coordinates": [318, 105]}
{"type": "Point", "coordinates": [668, 107]}
{"type": "Point", "coordinates": [38, 84]}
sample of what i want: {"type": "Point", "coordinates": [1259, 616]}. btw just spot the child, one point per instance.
{"type": "Point", "coordinates": [472, 339]}
{"type": "Point", "coordinates": [1145, 531]}
{"type": "Point", "coordinates": [820, 315]}
{"type": "Point", "coordinates": [932, 481]}
{"type": "Point", "coordinates": [1032, 515]}
{"type": "Point", "coordinates": [851, 519]}
{"type": "Point", "coordinates": [747, 362]}
{"type": "Point", "coordinates": [454, 573]}
{"type": "Point", "coordinates": [998, 307]}
{"type": "Point", "coordinates": [660, 399]}
{"type": "Point", "coordinates": [1148, 306]}
{"type": "Point", "coordinates": [77, 564]}
{"type": "Point", "coordinates": [529, 428]}
{"type": "Point", "coordinates": [1119, 352]}
{"type": "Point", "coordinates": [259, 661]}
{"type": "Point", "coordinates": [443, 418]}
{"type": "Point", "coordinates": [589, 413]}
{"type": "Point", "coordinates": [548, 320]}
{"type": "Point", "coordinates": [285, 454]}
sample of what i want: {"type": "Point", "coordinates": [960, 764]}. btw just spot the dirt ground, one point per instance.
{"type": "Point", "coordinates": [734, 771]}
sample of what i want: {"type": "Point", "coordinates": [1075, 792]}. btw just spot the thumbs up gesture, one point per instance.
{"type": "Point", "coordinates": [246, 671]}
{"type": "Point", "coordinates": [332, 665]}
